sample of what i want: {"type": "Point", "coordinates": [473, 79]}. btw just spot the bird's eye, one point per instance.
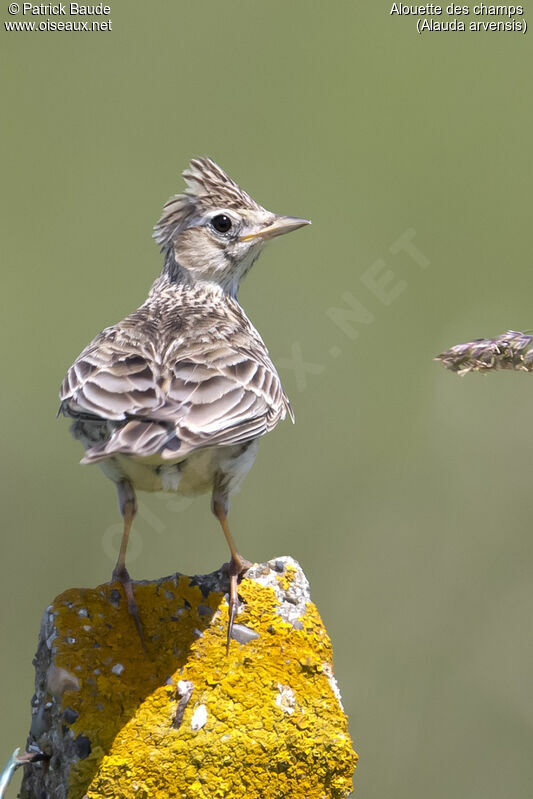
{"type": "Point", "coordinates": [221, 223]}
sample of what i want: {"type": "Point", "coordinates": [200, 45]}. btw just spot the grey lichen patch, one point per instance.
{"type": "Point", "coordinates": [286, 699]}
{"type": "Point", "coordinates": [243, 634]}
{"type": "Point", "coordinates": [328, 671]}
{"type": "Point", "coordinates": [115, 597]}
{"type": "Point", "coordinates": [292, 593]}
{"type": "Point", "coordinates": [184, 691]}
{"type": "Point", "coordinates": [83, 746]}
{"type": "Point", "coordinates": [70, 715]}
{"type": "Point", "coordinates": [48, 632]}
{"type": "Point", "coordinates": [47, 729]}
{"type": "Point", "coordinates": [199, 718]}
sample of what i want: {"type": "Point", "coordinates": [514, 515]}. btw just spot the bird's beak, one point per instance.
{"type": "Point", "coordinates": [280, 225]}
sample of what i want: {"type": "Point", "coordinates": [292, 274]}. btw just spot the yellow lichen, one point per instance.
{"type": "Point", "coordinates": [286, 577]}
{"type": "Point", "coordinates": [261, 722]}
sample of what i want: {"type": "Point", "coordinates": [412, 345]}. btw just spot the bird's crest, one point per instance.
{"type": "Point", "coordinates": [208, 186]}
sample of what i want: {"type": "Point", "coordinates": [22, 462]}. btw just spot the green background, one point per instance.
{"type": "Point", "coordinates": [404, 491]}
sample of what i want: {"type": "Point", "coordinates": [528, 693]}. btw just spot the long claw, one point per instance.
{"type": "Point", "coordinates": [233, 606]}
{"type": "Point", "coordinates": [236, 568]}
{"type": "Point", "coordinates": [237, 565]}
{"type": "Point", "coordinates": [123, 577]}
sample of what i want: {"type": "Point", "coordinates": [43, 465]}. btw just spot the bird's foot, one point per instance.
{"type": "Point", "coordinates": [236, 567]}
{"type": "Point", "coordinates": [121, 575]}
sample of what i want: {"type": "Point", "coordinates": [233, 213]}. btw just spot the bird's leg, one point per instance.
{"type": "Point", "coordinates": [128, 508]}
{"type": "Point", "coordinates": [237, 564]}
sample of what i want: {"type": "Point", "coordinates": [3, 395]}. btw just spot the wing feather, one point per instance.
{"type": "Point", "coordinates": [200, 393]}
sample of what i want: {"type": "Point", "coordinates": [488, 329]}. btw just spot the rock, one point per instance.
{"type": "Point", "coordinates": [265, 721]}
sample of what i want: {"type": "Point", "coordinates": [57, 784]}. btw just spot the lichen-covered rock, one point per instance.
{"type": "Point", "coordinates": [181, 719]}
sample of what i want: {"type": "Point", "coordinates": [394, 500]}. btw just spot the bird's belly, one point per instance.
{"type": "Point", "coordinates": [189, 476]}
{"type": "Point", "coordinates": [197, 473]}
{"type": "Point", "coordinates": [194, 474]}
{"type": "Point", "coordinates": [142, 476]}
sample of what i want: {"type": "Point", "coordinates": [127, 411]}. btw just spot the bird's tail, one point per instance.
{"type": "Point", "coordinates": [141, 439]}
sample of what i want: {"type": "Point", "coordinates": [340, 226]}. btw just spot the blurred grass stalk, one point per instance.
{"type": "Point", "coordinates": [511, 350]}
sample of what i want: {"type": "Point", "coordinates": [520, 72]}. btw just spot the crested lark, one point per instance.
{"type": "Point", "coordinates": [175, 396]}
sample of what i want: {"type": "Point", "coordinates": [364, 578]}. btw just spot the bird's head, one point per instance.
{"type": "Point", "coordinates": [214, 230]}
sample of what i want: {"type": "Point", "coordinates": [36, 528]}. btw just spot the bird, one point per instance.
{"type": "Point", "coordinates": [176, 396]}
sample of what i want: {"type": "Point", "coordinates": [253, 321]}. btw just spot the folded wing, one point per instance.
{"type": "Point", "coordinates": [204, 394]}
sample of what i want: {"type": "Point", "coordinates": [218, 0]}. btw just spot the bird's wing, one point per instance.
{"type": "Point", "coordinates": [201, 393]}
{"type": "Point", "coordinates": [222, 393]}
{"type": "Point", "coordinates": [115, 377]}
